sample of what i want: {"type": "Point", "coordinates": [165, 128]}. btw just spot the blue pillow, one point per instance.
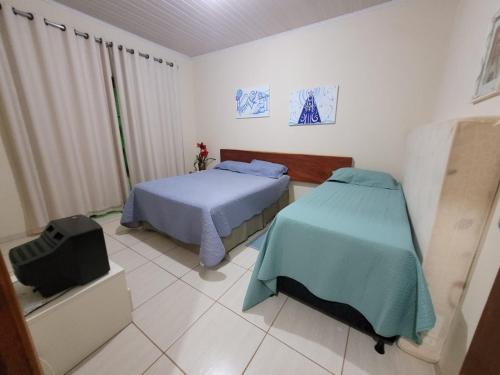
{"type": "Point", "coordinates": [279, 168]}
{"type": "Point", "coordinates": [256, 169]}
{"type": "Point", "coordinates": [365, 177]}
{"type": "Point", "coordinates": [234, 166]}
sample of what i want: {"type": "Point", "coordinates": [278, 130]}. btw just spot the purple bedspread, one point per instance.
{"type": "Point", "coordinates": [200, 208]}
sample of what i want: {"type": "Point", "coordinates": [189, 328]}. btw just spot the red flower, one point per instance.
{"type": "Point", "coordinates": [201, 159]}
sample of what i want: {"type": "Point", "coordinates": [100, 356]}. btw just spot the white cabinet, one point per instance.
{"type": "Point", "coordinates": [69, 328]}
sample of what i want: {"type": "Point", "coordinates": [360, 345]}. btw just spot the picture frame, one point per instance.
{"type": "Point", "coordinates": [488, 81]}
{"type": "Point", "coordinates": [313, 106]}
{"type": "Point", "coordinates": [252, 102]}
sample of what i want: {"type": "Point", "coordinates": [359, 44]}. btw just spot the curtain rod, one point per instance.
{"type": "Point", "coordinates": [85, 35]}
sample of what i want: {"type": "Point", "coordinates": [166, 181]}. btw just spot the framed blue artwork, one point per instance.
{"type": "Point", "coordinates": [252, 102]}
{"type": "Point", "coordinates": [314, 106]}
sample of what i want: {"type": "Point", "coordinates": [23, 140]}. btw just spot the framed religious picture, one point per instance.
{"type": "Point", "coordinates": [488, 82]}
{"type": "Point", "coordinates": [252, 102]}
{"type": "Point", "coordinates": [313, 106]}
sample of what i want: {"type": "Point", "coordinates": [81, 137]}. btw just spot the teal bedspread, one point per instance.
{"type": "Point", "coordinates": [349, 244]}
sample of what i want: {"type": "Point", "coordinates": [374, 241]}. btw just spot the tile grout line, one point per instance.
{"type": "Point", "coordinates": [129, 270]}
{"type": "Point", "coordinates": [164, 255]}
{"type": "Point", "coordinates": [212, 298]}
{"type": "Point", "coordinates": [145, 334]}
{"type": "Point", "coordinates": [154, 295]}
{"type": "Point", "coordinates": [206, 295]}
{"type": "Point", "coordinates": [175, 363]}
{"type": "Point", "coordinates": [239, 316]}
{"type": "Point", "coordinates": [97, 349]}
{"type": "Point", "coordinates": [231, 286]}
{"type": "Point", "coordinates": [345, 351]}
{"type": "Point", "coordinates": [302, 354]}
{"type": "Point", "coordinates": [229, 259]}
{"type": "Point", "coordinates": [151, 365]}
{"type": "Point", "coordinates": [268, 334]}
{"type": "Point", "coordinates": [130, 246]}
{"type": "Point", "coordinates": [168, 251]}
{"type": "Point", "coordinates": [150, 259]}
{"type": "Point", "coordinates": [214, 301]}
{"type": "Point", "coordinates": [289, 346]}
{"type": "Point", "coordinates": [279, 311]}
{"type": "Point", "coordinates": [126, 246]}
{"type": "Point", "coordinates": [130, 233]}
{"type": "Point", "coordinates": [254, 353]}
{"type": "Point", "coordinates": [189, 327]}
{"type": "Point", "coordinates": [162, 353]}
{"type": "Point", "coordinates": [149, 338]}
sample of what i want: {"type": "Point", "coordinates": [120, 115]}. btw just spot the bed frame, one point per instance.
{"type": "Point", "coordinates": [314, 169]}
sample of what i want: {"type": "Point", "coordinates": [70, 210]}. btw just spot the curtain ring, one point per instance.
{"type": "Point", "coordinates": [59, 26]}
{"type": "Point", "coordinates": [27, 15]}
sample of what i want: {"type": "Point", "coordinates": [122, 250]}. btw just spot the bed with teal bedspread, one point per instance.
{"type": "Point", "coordinates": [350, 244]}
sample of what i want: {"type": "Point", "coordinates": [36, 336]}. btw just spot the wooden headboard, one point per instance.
{"type": "Point", "coordinates": [301, 167]}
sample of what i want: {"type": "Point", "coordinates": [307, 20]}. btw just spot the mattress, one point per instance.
{"type": "Point", "coordinates": [451, 175]}
{"type": "Point", "coordinates": [201, 208]}
{"type": "Point", "coordinates": [349, 244]}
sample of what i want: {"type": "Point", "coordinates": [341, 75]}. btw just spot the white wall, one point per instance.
{"type": "Point", "coordinates": [463, 62]}
{"type": "Point", "coordinates": [386, 60]}
{"type": "Point", "coordinates": [11, 216]}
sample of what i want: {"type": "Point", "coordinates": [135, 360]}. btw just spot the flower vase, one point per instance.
{"type": "Point", "coordinates": [202, 166]}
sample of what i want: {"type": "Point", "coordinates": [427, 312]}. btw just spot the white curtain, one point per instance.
{"type": "Point", "coordinates": [148, 92]}
{"type": "Point", "coordinates": [58, 120]}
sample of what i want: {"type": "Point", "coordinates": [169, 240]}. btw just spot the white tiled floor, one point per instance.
{"type": "Point", "coordinates": [312, 333]}
{"type": "Point", "coordinates": [129, 352]}
{"type": "Point", "coordinates": [274, 357]}
{"type": "Point", "coordinates": [146, 281]}
{"type": "Point", "coordinates": [187, 319]}
{"type": "Point", "coordinates": [163, 366]}
{"type": "Point", "coordinates": [128, 259]}
{"type": "Point", "coordinates": [261, 315]}
{"type": "Point", "coordinates": [113, 246]}
{"type": "Point", "coordinates": [214, 282]}
{"type": "Point", "coordinates": [178, 261]}
{"type": "Point", "coordinates": [168, 315]}
{"type": "Point", "coordinates": [220, 342]}
{"type": "Point", "coordinates": [154, 246]}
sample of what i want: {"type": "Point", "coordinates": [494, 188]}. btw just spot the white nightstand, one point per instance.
{"type": "Point", "coordinates": [68, 329]}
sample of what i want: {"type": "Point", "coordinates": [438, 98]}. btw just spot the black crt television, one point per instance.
{"type": "Point", "coordinates": [69, 252]}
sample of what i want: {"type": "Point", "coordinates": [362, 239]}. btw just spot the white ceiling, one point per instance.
{"type": "Point", "coordinates": [195, 27]}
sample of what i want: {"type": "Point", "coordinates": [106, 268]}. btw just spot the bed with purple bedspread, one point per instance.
{"type": "Point", "coordinates": [200, 208]}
